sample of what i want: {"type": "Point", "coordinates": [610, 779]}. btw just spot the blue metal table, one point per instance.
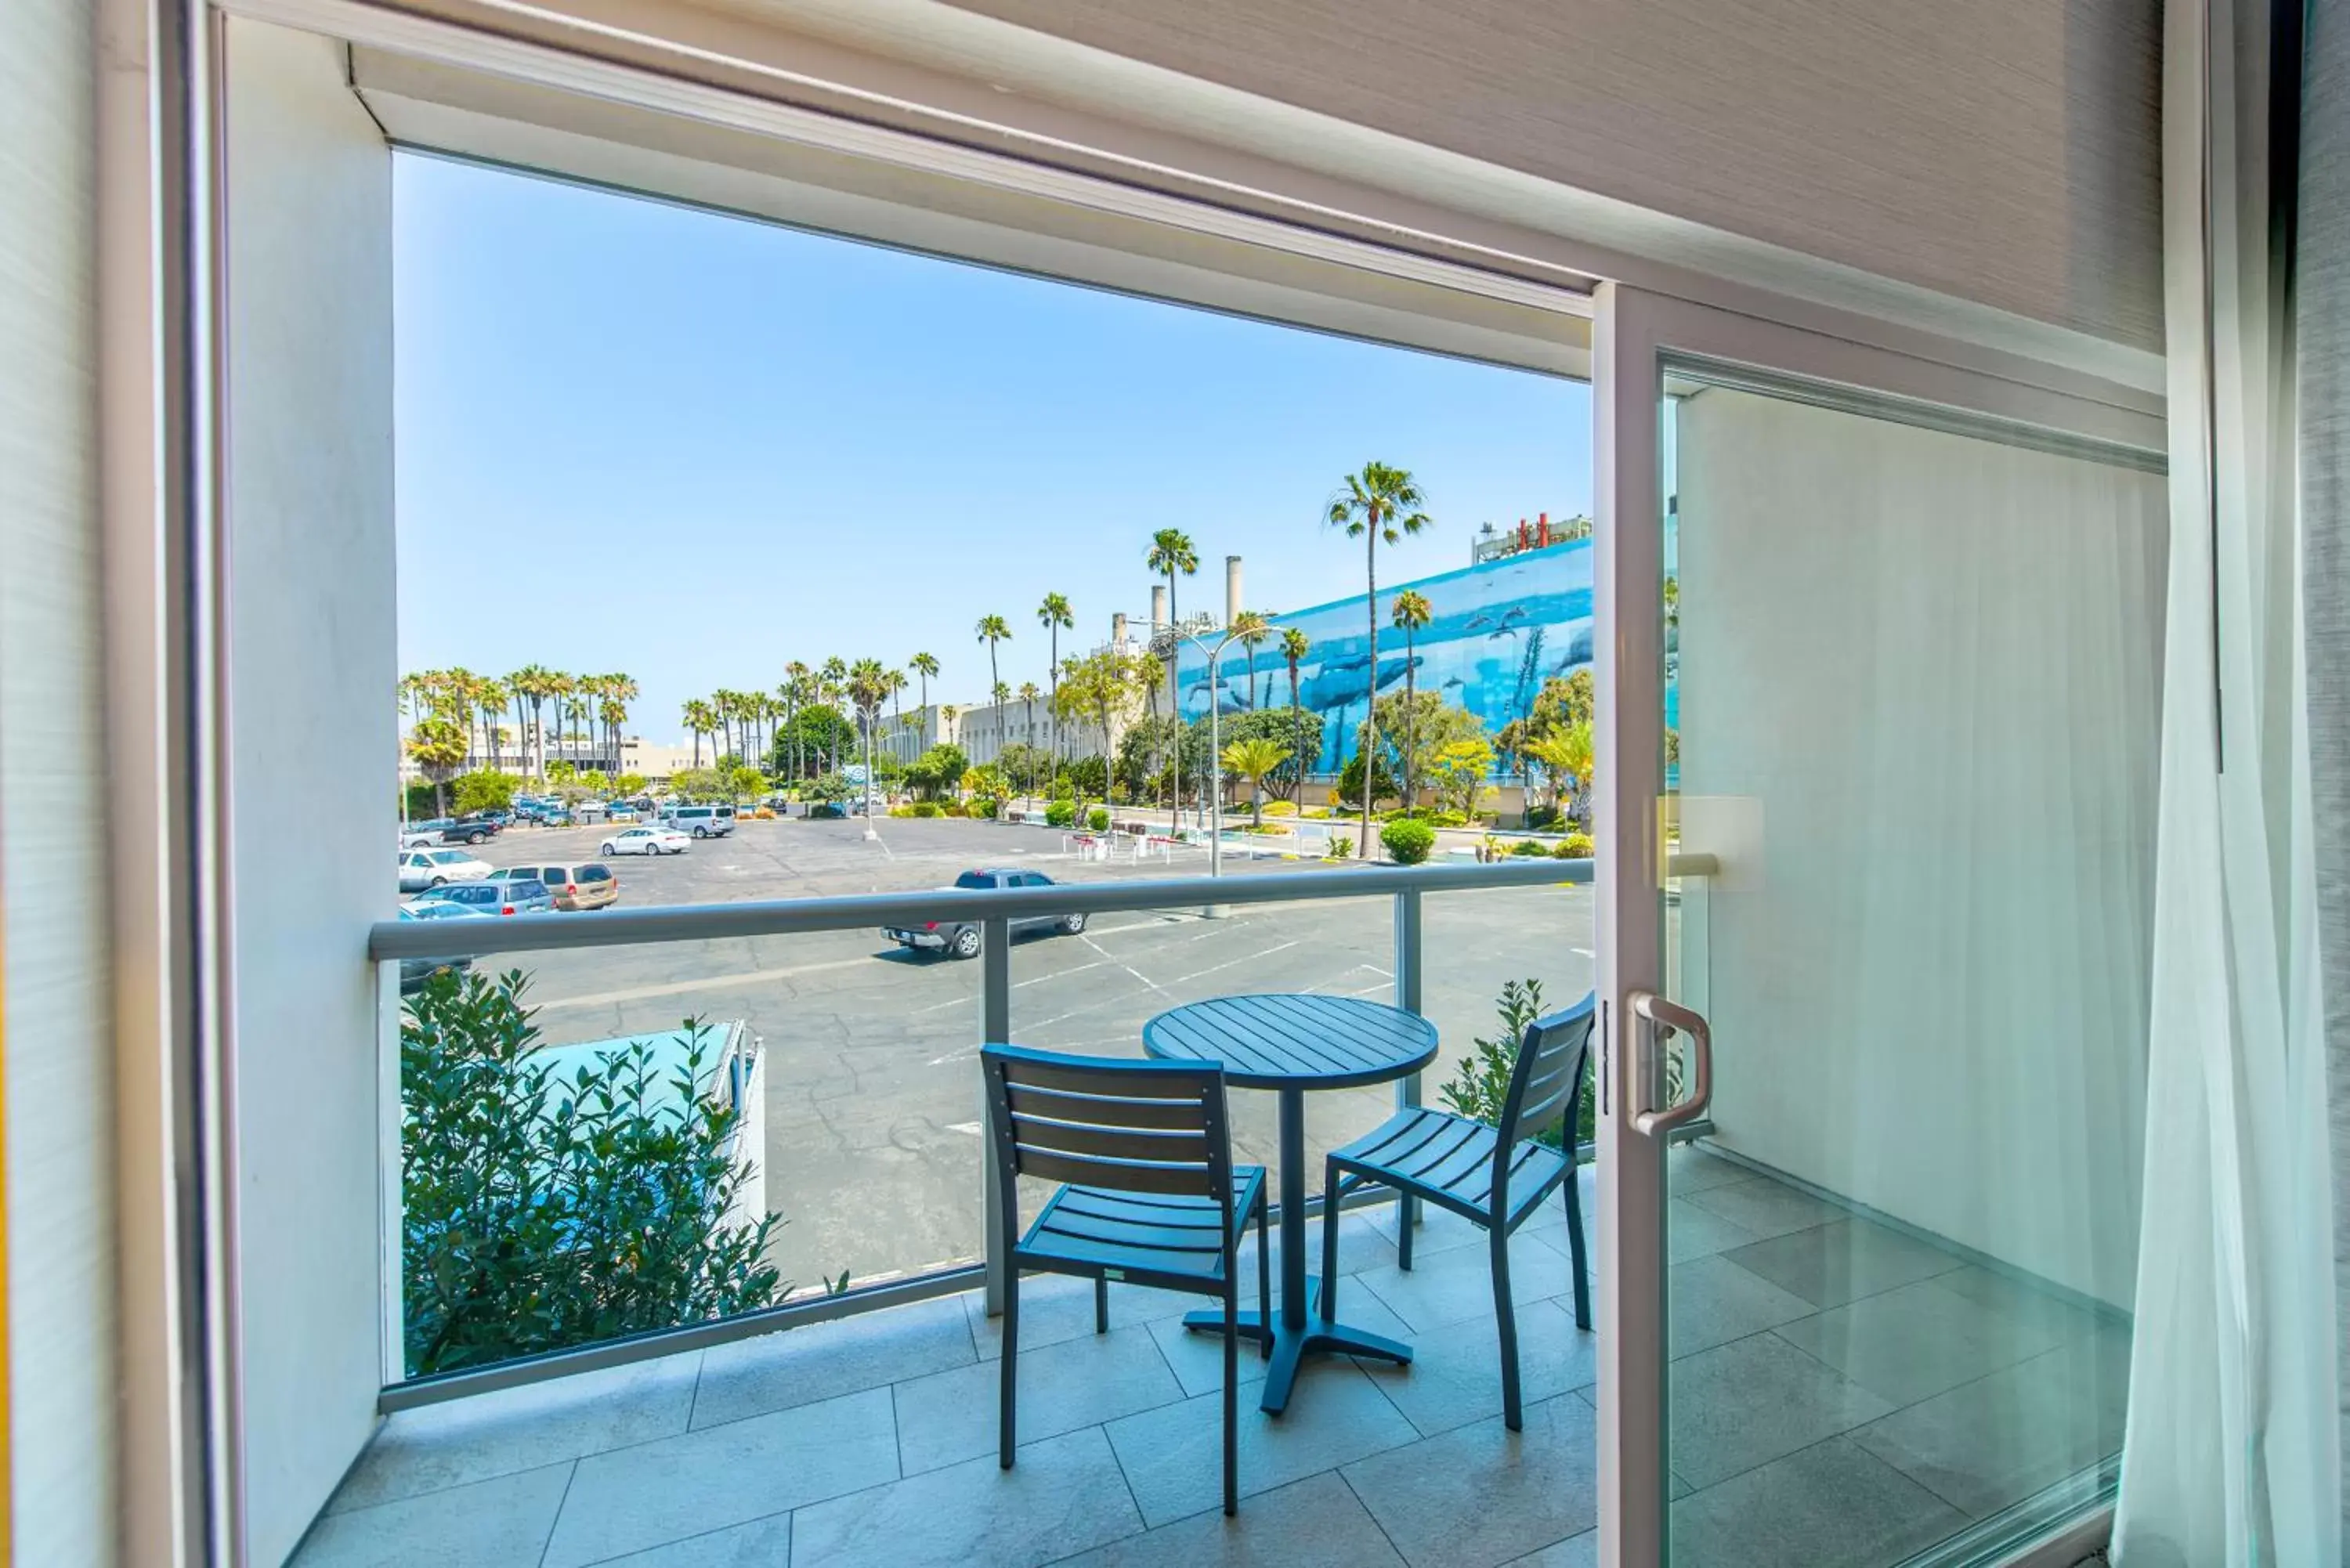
{"type": "Point", "coordinates": [1291, 1044]}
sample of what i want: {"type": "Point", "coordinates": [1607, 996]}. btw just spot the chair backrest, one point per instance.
{"type": "Point", "coordinates": [1547, 1081]}
{"type": "Point", "coordinates": [1110, 1121]}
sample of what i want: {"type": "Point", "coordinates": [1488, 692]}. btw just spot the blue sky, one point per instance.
{"type": "Point", "coordinates": [694, 448]}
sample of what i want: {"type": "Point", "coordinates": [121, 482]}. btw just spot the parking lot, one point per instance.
{"type": "Point", "coordinates": [873, 1099]}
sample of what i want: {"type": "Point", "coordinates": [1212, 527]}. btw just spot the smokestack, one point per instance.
{"type": "Point", "coordinates": [1117, 629]}
{"type": "Point", "coordinates": [1231, 589]}
{"type": "Point", "coordinates": [1158, 605]}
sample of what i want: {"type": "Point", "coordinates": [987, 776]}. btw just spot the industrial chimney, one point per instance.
{"type": "Point", "coordinates": [1117, 629]}
{"type": "Point", "coordinates": [1158, 605]}
{"type": "Point", "coordinates": [1231, 589]}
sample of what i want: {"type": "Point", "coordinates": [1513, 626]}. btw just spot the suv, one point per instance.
{"type": "Point", "coordinates": [498, 897]}
{"type": "Point", "coordinates": [961, 938]}
{"type": "Point", "coordinates": [477, 829]}
{"type": "Point", "coordinates": [703, 821]}
{"type": "Point", "coordinates": [587, 887]}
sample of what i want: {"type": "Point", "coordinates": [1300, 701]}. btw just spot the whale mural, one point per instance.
{"type": "Point", "coordinates": [1496, 632]}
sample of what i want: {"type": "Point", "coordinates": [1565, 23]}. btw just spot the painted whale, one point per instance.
{"type": "Point", "coordinates": [1340, 682]}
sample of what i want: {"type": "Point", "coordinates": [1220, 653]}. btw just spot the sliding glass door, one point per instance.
{"type": "Point", "coordinates": [1876, 784]}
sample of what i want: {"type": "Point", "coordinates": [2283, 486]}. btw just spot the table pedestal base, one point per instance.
{"type": "Point", "coordinates": [1293, 1341]}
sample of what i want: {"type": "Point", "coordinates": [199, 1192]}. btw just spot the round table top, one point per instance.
{"type": "Point", "coordinates": [1295, 1042]}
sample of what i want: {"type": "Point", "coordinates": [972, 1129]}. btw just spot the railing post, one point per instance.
{"type": "Point", "coordinates": [390, 1174]}
{"type": "Point", "coordinates": [1406, 996]}
{"type": "Point", "coordinates": [995, 1029]}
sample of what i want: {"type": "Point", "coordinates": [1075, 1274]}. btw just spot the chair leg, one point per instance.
{"type": "Point", "coordinates": [1330, 1244]}
{"type": "Point", "coordinates": [1007, 1400]}
{"type": "Point", "coordinates": [1101, 1306]}
{"type": "Point", "coordinates": [1264, 1276]}
{"type": "Point", "coordinates": [1231, 1391]}
{"type": "Point", "coordinates": [1505, 1318]}
{"type": "Point", "coordinates": [1574, 1252]}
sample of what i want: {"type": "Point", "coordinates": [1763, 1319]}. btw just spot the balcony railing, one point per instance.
{"type": "Point", "coordinates": [1406, 888]}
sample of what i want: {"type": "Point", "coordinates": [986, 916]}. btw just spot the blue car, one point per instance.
{"type": "Point", "coordinates": [498, 897]}
{"type": "Point", "coordinates": [415, 971]}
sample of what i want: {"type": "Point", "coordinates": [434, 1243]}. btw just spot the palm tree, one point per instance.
{"type": "Point", "coordinates": [794, 693]}
{"type": "Point", "coordinates": [1171, 554]}
{"type": "Point", "coordinates": [698, 721]}
{"type": "Point", "coordinates": [832, 689]}
{"type": "Point", "coordinates": [1378, 505]}
{"type": "Point", "coordinates": [619, 691]}
{"type": "Point", "coordinates": [1251, 637]}
{"type": "Point", "coordinates": [439, 745]}
{"type": "Point", "coordinates": [1253, 760]}
{"type": "Point", "coordinates": [992, 629]}
{"type": "Point", "coordinates": [869, 687]}
{"type": "Point", "coordinates": [1295, 646]}
{"type": "Point", "coordinates": [563, 688]}
{"type": "Point", "coordinates": [1411, 613]}
{"type": "Point", "coordinates": [1055, 615]}
{"type": "Point", "coordinates": [1028, 694]}
{"type": "Point", "coordinates": [530, 684]}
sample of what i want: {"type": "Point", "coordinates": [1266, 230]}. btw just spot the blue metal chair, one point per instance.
{"type": "Point", "coordinates": [1151, 1195]}
{"type": "Point", "coordinates": [1494, 1176]}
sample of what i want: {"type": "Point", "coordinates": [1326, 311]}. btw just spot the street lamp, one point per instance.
{"type": "Point", "coordinates": [1244, 624]}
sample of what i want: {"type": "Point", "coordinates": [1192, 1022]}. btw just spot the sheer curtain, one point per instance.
{"type": "Point", "coordinates": [2233, 1448]}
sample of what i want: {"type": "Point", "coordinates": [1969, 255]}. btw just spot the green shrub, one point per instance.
{"type": "Point", "coordinates": [1573, 847]}
{"type": "Point", "coordinates": [983, 808]}
{"type": "Point", "coordinates": [541, 1212]}
{"type": "Point", "coordinates": [1060, 813]}
{"type": "Point", "coordinates": [1315, 814]}
{"type": "Point", "coordinates": [926, 808]}
{"type": "Point", "coordinates": [1481, 1083]}
{"type": "Point", "coordinates": [1524, 846]}
{"type": "Point", "coordinates": [1408, 841]}
{"type": "Point", "coordinates": [1098, 819]}
{"type": "Point", "coordinates": [1341, 847]}
{"type": "Point", "coordinates": [1541, 817]}
{"type": "Point", "coordinates": [902, 811]}
{"type": "Point", "coordinates": [1280, 808]}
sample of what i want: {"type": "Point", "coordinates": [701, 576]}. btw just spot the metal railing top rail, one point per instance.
{"type": "Point", "coordinates": [779, 916]}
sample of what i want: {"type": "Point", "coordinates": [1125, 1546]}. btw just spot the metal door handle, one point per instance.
{"type": "Point", "coordinates": [1660, 1018]}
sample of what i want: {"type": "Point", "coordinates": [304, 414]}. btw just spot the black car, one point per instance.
{"type": "Point", "coordinates": [961, 938]}
{"type": "Point", "coordinates": [478, 828]}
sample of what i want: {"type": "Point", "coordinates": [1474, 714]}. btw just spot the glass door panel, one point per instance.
{"type": "Point", "coordinates": [1909, 698]}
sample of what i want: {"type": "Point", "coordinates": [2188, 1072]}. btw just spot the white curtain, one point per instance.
{"type": "Point", "coordinates": [2232, 1453]}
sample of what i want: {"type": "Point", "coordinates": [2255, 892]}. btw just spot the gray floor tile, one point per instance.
{"type": "Point", "coordinates": [1199, 1358]}
{"type": "Point", "coordinates": [2021, 1303]}
{"type": "Point", "coordinates": [950, 1416]}
{"type": "Point", "coordinates": [659, 1492]}
{"type": "Point", "coordinates": [1455, 1376]}
{"type": "Point", "coordinates": [1692, 1231]}
{"type": "Point", "coordinates": [1575, 1551]}
{"type": "Point", "coordinates": [1712, 1300]}
{"type": "Point", "coordinates": [1999, 1438]}
{"type": "Point", "coordinates": [1459, 1283]}
{"type": "Point", "coordinates": [755, 1543]}
{"type": "Point", "coordinates": [1481, 1494]}
{"type": "Point", "coordinates": [1828, 1506]}
{"type": "Point", "coordinates": [1765, 1207]}
{"type": "Point", "coordinates": [1173, 1455]}
{"type": "Point", "coordinates": [1745, 1404]}
{"type": "Point", "coordinates": [1363, 1244]}
{"type": "Point", "coordinates": [1063, 1496]}
{"type": "Point", "coordinates": [1831, 1264]}
{"type": "Point", "coordinates": [1441, 1231]}
{"type": "Point", "coordinates": [1317, 1522]}
{"type": "Point", "coordinates": [825, 1360]}
{"type": "Point", "coordinates": [470, 1439]}
{"type": "Point", "coordinates": [1055, 1307]}
{"type": "Point", "coordinates": [1689, 1169]}
{"type": "Point", "coordinates": [488, 1524]}
{"type": "Point", "coordinates": [1917, 1340]}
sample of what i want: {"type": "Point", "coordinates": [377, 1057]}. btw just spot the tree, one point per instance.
{"type": "Point", "coordinates": [818, 730]}
{"type": "Point", "coordinates": [1253, 760]}
{"type": "Point", "coordinates": [1172, 554]}
{"type": "Point", "coordinates": [1297, 732]}
{"type": "Point", "coordinates": [1054, 615]}
{"type": "Point", "coordinates": [1030, 765]}
{"type": "Point", "coordinates": [1411, 613]}
{"type": "Point", "coordinates": [1101, 688]}
{"type": "Point", "coordinates": [438, 747]}
{"type": "Point", "coordinates": [1028, 695]}
{"type": "Point", "coordinates": [701, 719]}
{"type": "Point", "coordinates": [1251, 630]}
{"type": "Point", "coordinates": [1416, 727]}
{"type": "Point", "coordinates": [938, 771]}
{"type": "Point", "coordinates": [745, 782]}
{"type": "Point", "coordinates": [925, 665]}
{"type": "Point", "coordinates": [542, 1210]}
{"type": "Point", "coordinates": [797, 691]}
{"type": "Point", "coordinates": [484, 789]}
{"type": "Point", "coordinates": [1567, 755]}
{"type": "Point", "coordinates": [1378, 505]}
{"type": "Point", "coordinates": [1462, 768]}
{"type": "Point", "coordinates": [869, 687]}
{"type": "Point", "coordinates": [560, 772]}
{"type": "Point", "coordinates": [992, 629]}
{"type": "Point", "coordinates": [631, 783]}
{"type": "Point", "coordinates": [1295, 646]}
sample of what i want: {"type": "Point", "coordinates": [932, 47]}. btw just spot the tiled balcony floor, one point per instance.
{"type": "Point", "coordinates": [1842, 1395]}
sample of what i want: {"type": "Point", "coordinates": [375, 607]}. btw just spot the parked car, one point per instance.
{"type": "Point", "coordinates": [701, 821]}
{"type": "Point", "coordinates": [477, 828]}
{"type": "Point", "coordinates": [497, 897]}
{"type": "Point", "coordinates": [587, 887]}
{"type": "Point", "coordinates": [415, 971]}
{"type": "Point", "coordinates": [646, 841]}
{"type": "Point", "coordinates": [417, 834]}
{"type": "Point", "coordinates": [620, 811]}
{"type": "Point", "coordinates": [961, 938]}
{"type": "Point", "coordinates": [423, 868]}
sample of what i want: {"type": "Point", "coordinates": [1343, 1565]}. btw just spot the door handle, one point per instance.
{"type": "Point", "coordinates": [1660, 1019]}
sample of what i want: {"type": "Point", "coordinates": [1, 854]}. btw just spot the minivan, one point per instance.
{"type": "Point", "coordinates": [585, 887]}
{"type": "Point", "coordinates": [703, 821]}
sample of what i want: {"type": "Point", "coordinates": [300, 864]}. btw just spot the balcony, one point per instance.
{"type": "Point", "coordinates": [1847, 1386]}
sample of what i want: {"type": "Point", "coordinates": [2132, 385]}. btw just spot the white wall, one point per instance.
{"type": "Point", "coordinates": [54, 950]}
{"type": "Point", "coordinates": [1935, 664]}
{"type": "Point", "coordinates": [311, 653]}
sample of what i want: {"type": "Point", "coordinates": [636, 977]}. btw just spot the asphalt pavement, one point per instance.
{"type": "Point", "coordinates": [873, 1097]}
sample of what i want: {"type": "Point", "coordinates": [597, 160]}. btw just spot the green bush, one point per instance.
{"type": "Point", "coordinates": [982, 808]}
{"type": "Point", "coordinates": [1060, 813]}
{"type": "Point", "coordinates": [1524, 846]}
{"type": "Point", "coordinates": [902, 811]}
{"type": "Point", "coordinates": [1541, 817]}
{"type": "Point", "coordinates": [1573, 847]}
{"type": "Point", "coordinates": [541, 1212]}
{"type": "Point", "coordinates": [1408, 842]}
{"type": "Point", "coordinates": [1341, 847]}
{"type": "Point", "coordinates": [1481, 1085]}
{"type": "Point", "coordinates": [1315, 814]}
{"type": "Point", "coordinates": [1098, 819]}
{"type": "Point", "coordinates": [926, 808]}
{"type": "Point", "coordinates": [1280, 808]}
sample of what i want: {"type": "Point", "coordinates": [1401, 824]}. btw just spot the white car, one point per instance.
{"type": "Point", "coordinates": [647, 841]}
{"type": "Point", "coordinates": [422, 869]}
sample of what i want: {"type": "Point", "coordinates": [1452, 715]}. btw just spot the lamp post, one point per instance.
{"type": "Point", "coordinates": [1246, 622]}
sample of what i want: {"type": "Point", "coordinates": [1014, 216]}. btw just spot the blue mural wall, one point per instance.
{"type": "Point", "coordinates": [1497, 632]}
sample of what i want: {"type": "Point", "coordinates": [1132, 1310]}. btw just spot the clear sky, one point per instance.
{"type": "Point", "coordinates": [692, 448]}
